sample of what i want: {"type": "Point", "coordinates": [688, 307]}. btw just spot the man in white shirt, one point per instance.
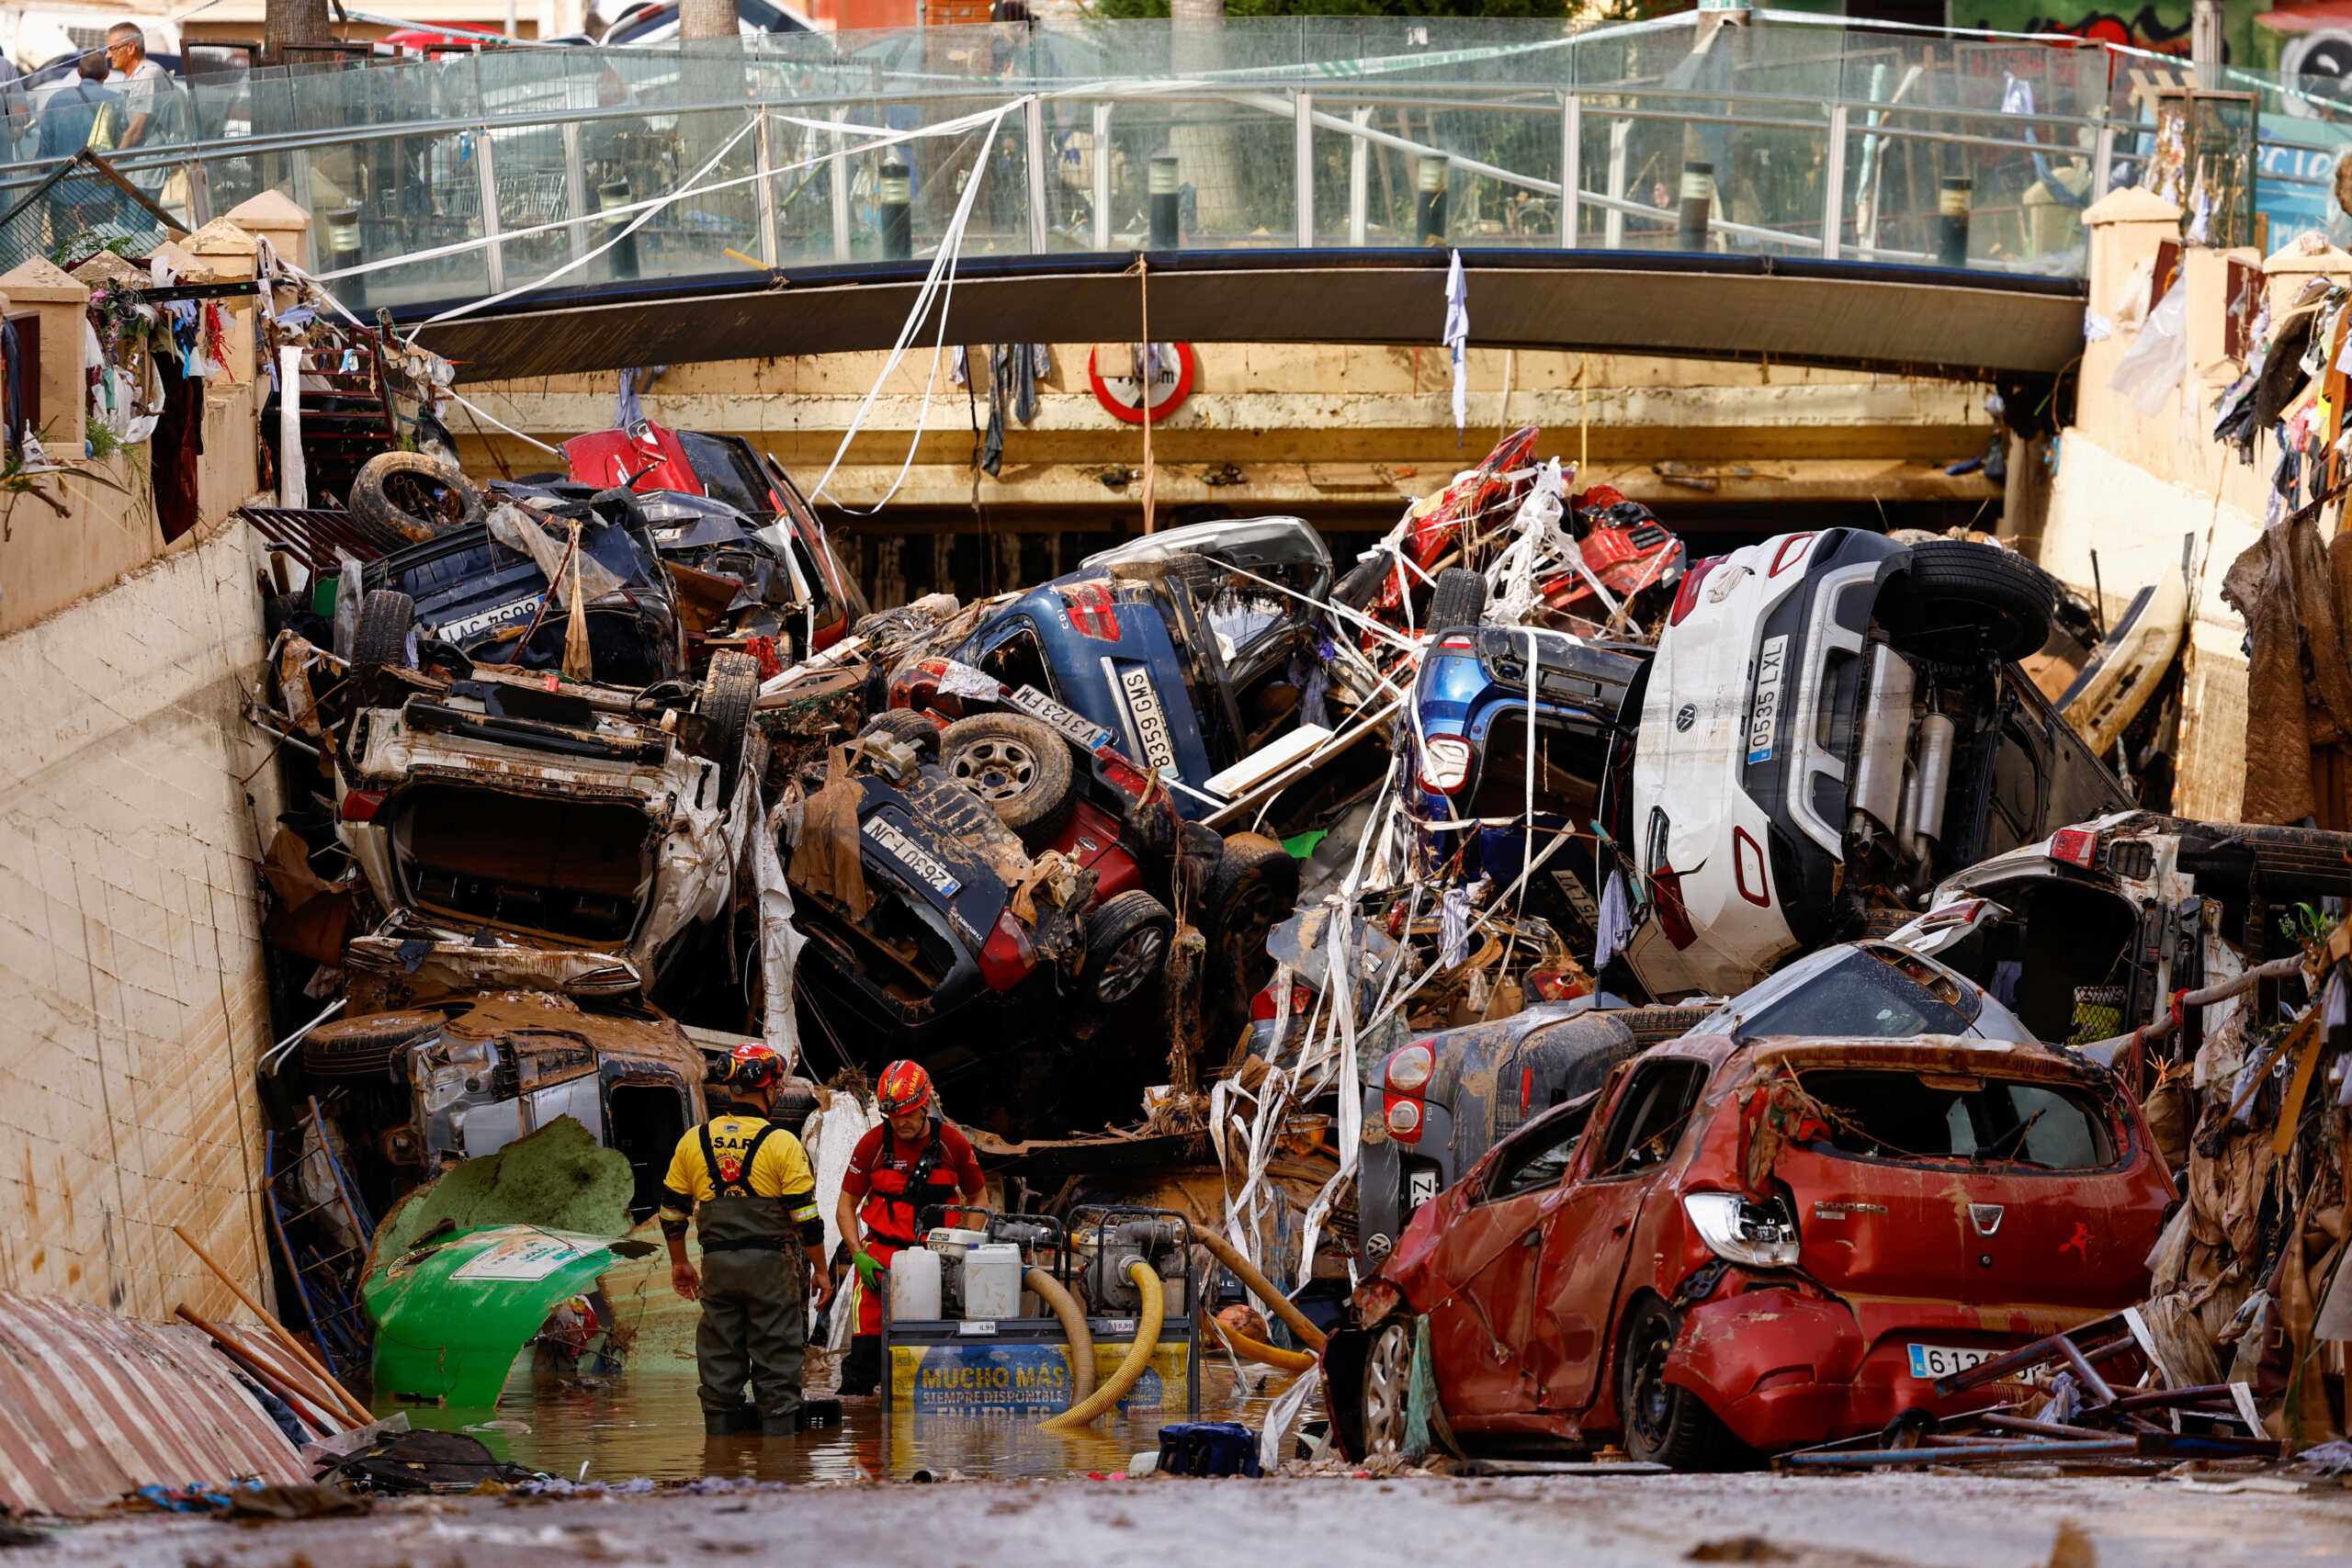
{"type": "Point", "coordinates": [149, 96]}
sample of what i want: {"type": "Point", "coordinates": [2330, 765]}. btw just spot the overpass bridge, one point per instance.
{"type": "Point", "coordinates": [1784, 188]}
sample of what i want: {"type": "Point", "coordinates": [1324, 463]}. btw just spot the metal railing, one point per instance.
{"type": "Point", "coordinates": [1789, 135]}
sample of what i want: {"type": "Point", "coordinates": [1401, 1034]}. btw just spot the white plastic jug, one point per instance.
{"type": "Point", "coordinates": [915, 1285]}
{"type": "Point", "coordinates": [992, 1282]}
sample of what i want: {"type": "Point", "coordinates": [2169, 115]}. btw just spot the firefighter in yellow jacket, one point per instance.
{"type": "Point", "coordinates": [748, 1185]}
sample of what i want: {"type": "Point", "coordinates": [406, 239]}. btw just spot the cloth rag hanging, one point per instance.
{"type": "Point", "coordinates": [1457, 340]}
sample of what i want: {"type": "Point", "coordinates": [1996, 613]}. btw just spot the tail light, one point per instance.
{"type": "Point", "coordinates": [1791, 553]}
{"type": "Point", "coordinates": [359, 806]}
{"type": "Point", "coordinates": [2076, 846]}
{"type": "Point", "coordinates": [1410, 1068]}
{"type": "Point", "coordinates": [1457, 645]}
{"type": "Point", "coordinates": [1006, 957]}
{"type": "Point", "coordinates": [1404, 1119]}
{"type": "Point", "coordinates": [1265, 1004]}
{"type": "Point", "coordinates": [1666, 884]}
{"type": "Point", "coordinates": [1686, 598]}
{"type": "Point", "coordinates": [1122, 772]}
{"type": "Point", "coordinates": [1445, 762]}
{"type": "Point", "coordinates": [1558, 985]}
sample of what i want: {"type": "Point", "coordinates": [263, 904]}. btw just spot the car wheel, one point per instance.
{"type": "Point", "coordinates": [1978, 596]}
{"type": "Point", "coordinates": [1020, 765]}
{"type": "Point", "coordinates": [1664, 1423]}
{"type": "Point", "coordinates": [1458, 600]}
{"type": "Point", "coordinates": [908, 729]}
{"type": "Point", "coordinates": [1253, 890]}
{"type": "Point", "coordinates": [1127, 943]}
{"type": "Point", "coordinates": [729, 688]}
{"type": "Point", "coordinates": [380, 641]}
{"type": "Point", "coordinates": [365, 1047]}
{"type": "Point", "coordinates": [399, 499]}
{"type": "Point", "coordinates": [1386, 1395]}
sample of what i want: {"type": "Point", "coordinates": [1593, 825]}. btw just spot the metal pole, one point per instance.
{"type": "Point", "coordinates": [1571, 171]}
{"type": "Point", "coordinates": [766, 188]}
{"type": "Point", "coordinates": [486, 170]}
{"type": "Point", "coordinates": [299, 162]}
{"type": "Point", "coordinates": [575, 189]}
{"type": "Point", "coordinates": [1033, 128]}
{"type": "Point", "coordinates": [1954, 198]}
{"type": "Point", "coordinates": [1613, 225]}
{"type": "Point", "coordinates": [621, 260]}
{"type": "Point", "coordinates": [199, 194]}
{"type": "Point", "coordinates": [1429, 199]}
{"type": "Point", "coordinates": [1167, 171]}
{"type": "Point", "coordinates": [894, 209]}
{"type": "Point", "coordinates": [1359, 178]}
{"type": "Point", "coordinates": [1833, 180]}
{"type": "Point", "coordinates": [1697, 204]}
{"type": "Point", "coordinates": [344, 250]}
{"type": "Point", "coordinates": [2102, 160]}
{"type": "Point", "coordinates": [1103, 176]}
{"type": "Point", "coordinates": [2205, 42]}
{"type": "Point", "coordinates": [1303, 167]}
{"type": "Point", "coordinates": [837, 172]}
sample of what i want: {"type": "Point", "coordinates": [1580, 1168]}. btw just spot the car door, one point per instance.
{"type": "Point", "coordinates": [1481, 1330]}
{"type": "Point", "coordinates": [1589, 1222]}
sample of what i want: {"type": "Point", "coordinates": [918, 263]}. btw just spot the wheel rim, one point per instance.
{"type": "Point", "coordinates": [1387, 1377]}
{"type": "Point", "coordinates": [997, 770]}
{"type": "Point", "coordinates": [1650, 1410]}
{"type": "Point", "coordinates": [1131, 964]}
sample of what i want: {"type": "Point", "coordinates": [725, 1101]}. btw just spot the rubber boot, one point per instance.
{"type": "Point", "coordinates": [730, 1423]}
{"type": "Point", "coordinates": [780, 1425]}
{"type": "Point", "coordinates": [862, 1368]}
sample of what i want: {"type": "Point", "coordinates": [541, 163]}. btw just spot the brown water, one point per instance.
{"type": "Point", "coordinates": [646, 1420]}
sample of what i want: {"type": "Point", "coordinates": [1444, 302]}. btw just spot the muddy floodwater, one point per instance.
{"type": "Point", "coordinates": [646, 1421]}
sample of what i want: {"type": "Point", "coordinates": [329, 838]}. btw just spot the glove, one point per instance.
{"type": "Point", "coordinates": [869, 1268]}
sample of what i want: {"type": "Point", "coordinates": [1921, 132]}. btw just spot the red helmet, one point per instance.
{"type": "Point", "coordinates": [904, 1089]}
{"type": "Point", "coordinates": [754, 1066]}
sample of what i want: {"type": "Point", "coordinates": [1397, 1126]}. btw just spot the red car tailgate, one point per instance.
{"type": "Point", "coordinates": [607, 458]}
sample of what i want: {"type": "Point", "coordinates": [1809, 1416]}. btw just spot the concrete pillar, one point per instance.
{"type": "Point", "coordinates": [57, 306]}
{"type": "Point", "coordinates": [2126, 227]}
{"type": "Point", "coordinates": [232, 253]}
{"type": "Point", "coordinates": [2285, 272]}
{"type": "Point", "coordinates": [276, 219]}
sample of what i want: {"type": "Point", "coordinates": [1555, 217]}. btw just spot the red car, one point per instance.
{"type": "Point", "coordinates": [1739, 1246]}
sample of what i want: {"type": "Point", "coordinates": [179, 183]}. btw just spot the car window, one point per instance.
{"type": "Point", "coordinates": [1650, 1116]}
{"type": "Point", "coordinates": [1541, 1154]}
{"type": "Point", "coordinates": [1861, 994]}
{"type": "Point", "coordinates": [719, 466]}
{"type": "Point", "coordinates": [1890, 1115]}
{"type": "Point", "coordinates": [1018, 659]}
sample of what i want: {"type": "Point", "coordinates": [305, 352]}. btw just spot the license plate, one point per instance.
{"type": "Point", "coordinates": [911, 855]}
{"type": "Point", "coordinates": [466, 627]}
{"type": "Point", "coordinates": [1764, 718]}
{"type": "Point", "coordinates": [1151, 724]}
{"type": "Point", "coordinates": [1036, 704]}
{"type": "Point", "coordinates": [1943, 1361]}
{"type": "Point", "coordinates": [1421, 1186]}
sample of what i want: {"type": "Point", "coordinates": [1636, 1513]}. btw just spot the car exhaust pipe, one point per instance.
{"type": "Point", "coordinates": [1878, 760]}
{"type": "Point", "coordinates": [1938, 734]}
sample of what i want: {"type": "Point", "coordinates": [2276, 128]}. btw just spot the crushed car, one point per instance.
{"type": "Point", "coordinates": [1735, 1247]}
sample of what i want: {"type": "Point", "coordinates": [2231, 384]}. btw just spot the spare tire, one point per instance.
{"type": "Point", "coordinates": [399, 499]}
{"type": "Point", "coordinates": [1020, 765]}
{"type": "Point", "coordinates": [381, 639]}
{"type": "Point", "coordinates": [729, 688]}
{"type": "Point", "coordinates": [1458, 600]}
{"type": "Point", "coordinates": [364, 1048]}
{"type": "Point", "coordinates": [1969, 597]}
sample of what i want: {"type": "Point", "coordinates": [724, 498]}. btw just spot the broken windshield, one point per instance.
{"type": "Point", "coordinates": [1898, 1115]}
{"type": "Point", "coordinates": [1847, 992]}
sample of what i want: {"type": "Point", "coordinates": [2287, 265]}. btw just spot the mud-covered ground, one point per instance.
{"type": "Point", "coordinates": [1965, 1521]}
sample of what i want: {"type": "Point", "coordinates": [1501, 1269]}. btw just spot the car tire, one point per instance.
{"type": "Point", "coordinates": [729, 688]}
{"type": "Point", "coordinates": [399, 499]}
{"type": "Point", "coordinates": [1384, 1394]}
{"type": "Point", "coordinates": [1253, 889]}
{"type": "Point", "coordinates": [381, 638]}
{"type": "Point", "coordinates": [1458, 600]}
{"type": "Point", "coordinates": [366, 1048]}
{"type": "Point", "coordinates": [1020, 765]}
{"type": "Point", "coordinates": [908, 729]}
{"type": "Point", "coordinates": [1981, 595]}
{"type": "Point", "coordinates": [1127, 942]}
{"type": "Point", "coordinates": [1663, 1424]}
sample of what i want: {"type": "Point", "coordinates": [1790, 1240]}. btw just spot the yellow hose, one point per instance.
{"type": "Point", "coordinates": [1260, 1286]}
{"type": "Point", "coordinates": [1138, 1357]}
{"type": "Point", "coordinates": [1073, 1318]}
{"type": "Point", "coordinates": [1251, 1349]}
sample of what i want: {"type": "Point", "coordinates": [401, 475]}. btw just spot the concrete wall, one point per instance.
{"type": "Point", "coordinates": [132, 797]}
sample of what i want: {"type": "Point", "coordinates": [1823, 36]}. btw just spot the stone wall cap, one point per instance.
{"type": "Point", "coordinates": [2131, 205]}
{"type": "Point", "coordinates": [222, 237]}
{"type": "Point", "coordinates": [2307, 252]}
{"type": "Point", "coordinates": [270, 209]}
{"type": "Point", "coordinates": [38, 280]}
{"type": "Point", "coordinates": [191, 269]}
{"type": "Point", "coordinates": [108, 267]}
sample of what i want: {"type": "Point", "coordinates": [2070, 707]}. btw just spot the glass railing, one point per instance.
{"type": "Point", "coordinates": [1791, 135]}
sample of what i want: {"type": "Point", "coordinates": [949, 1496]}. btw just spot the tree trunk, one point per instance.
{"type": "Point", "coordinates": [1203, 135]}
{"type": "Point", "coordinates": [293, 21]}
{"type": "Point", "coordinates": [706, 19]}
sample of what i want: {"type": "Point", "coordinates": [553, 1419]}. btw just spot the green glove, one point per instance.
{"type": "Point", "coordinates": [869, 1268]}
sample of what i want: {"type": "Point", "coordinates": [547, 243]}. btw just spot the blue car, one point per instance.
{"type": "Point", "coordinates": [1194, 647]}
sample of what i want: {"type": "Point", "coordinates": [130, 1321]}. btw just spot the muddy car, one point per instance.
{"type": "Point", "coordinates": [489, 808]}
{"type": "Point", "coordinates": [1737, 1247]}
{"type": "Point", "coordinates": [419, 1089]}
{"type": "Point", "coordinates": [1834, 722]}
{"type": "Point", "coordinates": [2086, 932]}
{"type": "Point", "coordinates": [1441, 1102]}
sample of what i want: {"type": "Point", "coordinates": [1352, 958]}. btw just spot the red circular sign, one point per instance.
{"type": "Point", "coordinates": [1122, 396]}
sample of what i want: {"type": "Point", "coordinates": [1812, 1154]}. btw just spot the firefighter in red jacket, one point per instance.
{"type": "Point", "coordinates": [913, 1161]}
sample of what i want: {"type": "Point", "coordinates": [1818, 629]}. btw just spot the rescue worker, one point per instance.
{"type": "Point", "coordinates": [747, 1183]}
{"type": "Point", "coordinates": [911, 1162]}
